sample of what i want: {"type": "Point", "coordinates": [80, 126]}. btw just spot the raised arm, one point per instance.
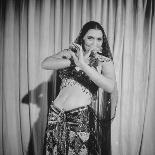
{"type": "Point", "coordinates": [57, 61]}
{"type": "Point", "coordinates": [106, 80]}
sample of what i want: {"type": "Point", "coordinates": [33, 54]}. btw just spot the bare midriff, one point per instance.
{"type": "Point", "coordinates": [72, 96]}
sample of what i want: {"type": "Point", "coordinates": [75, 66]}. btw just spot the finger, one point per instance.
{"type": "Point", "coordinates": [76, 47]}
{"type": "Point", "coordinates": [90, 50]}
{"type": "Point", "coordinates": [79, 52]}
{"type": "Point", "coordinates": [74, 56]}
{"type": "Point", "coordinates": [79, 47]}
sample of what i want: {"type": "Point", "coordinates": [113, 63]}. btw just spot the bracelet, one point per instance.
{"type": "Point", "coordinates": [72, 63]}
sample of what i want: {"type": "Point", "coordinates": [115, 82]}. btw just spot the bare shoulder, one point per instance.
{"type": "Point", "coordinates": [107, 67]}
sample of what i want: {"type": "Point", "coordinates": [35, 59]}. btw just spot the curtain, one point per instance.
{"type": "Point", "coordinates": [32, 30]}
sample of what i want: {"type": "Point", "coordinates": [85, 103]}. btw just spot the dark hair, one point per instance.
{"type": "Point", "coordinates": [94, 25]}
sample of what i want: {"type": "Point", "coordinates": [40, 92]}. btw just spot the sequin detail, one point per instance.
{"type": "Point", "coordinates": [70, 82]}
{"type": "Point", "coordinates": [70, 132]}
{"type": "Point", "coordinates": [103, 58]}
{"type": "Point", "coordinates": [80, 76]}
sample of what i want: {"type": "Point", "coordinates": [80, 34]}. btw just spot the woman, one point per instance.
{"type": "Point", "coordinates": [83, 68]}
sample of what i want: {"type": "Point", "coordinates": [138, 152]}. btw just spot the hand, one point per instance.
{"type": "Point", "coordinates": [95, 50]}
{"type": "Point", "coordinates": [78, 55]}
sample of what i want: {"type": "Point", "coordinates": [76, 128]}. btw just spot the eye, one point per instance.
{"type": "Point", "coordinates": [90, 37]}
{"type": "Point", "coordinates": [99, 39]}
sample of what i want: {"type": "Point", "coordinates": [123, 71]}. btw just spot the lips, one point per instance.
{"type": "Point", "coordinates": [96, 49]}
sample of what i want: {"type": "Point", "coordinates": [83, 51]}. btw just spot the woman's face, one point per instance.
{"type": "Point", "coordinates": [93, 39]}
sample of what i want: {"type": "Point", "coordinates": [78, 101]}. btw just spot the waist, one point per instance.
{"type": "Point", "coordinates": [72, 111]}
{"type": "Point", "coordinates": [77, 116]}
{"type": "Point", "coordinates": [72, 95]}
{"type": "Point", "coordinates": [68, 99]}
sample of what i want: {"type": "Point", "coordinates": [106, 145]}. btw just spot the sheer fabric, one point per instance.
{"type": "Point", "coordinates": [33, 30]}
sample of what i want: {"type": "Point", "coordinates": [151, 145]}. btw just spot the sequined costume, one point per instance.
{"type": "Point", "coordinates": [71, 132]}
{"type": "Point", "coordinates": [74, 132]}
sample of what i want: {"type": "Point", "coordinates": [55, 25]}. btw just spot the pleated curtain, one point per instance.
{"type": "Point", "coordinates": [32, 30]}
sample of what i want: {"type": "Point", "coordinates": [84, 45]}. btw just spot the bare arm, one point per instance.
{"type": "Point", "coordinates": [57, 61]}
{"type": "Point", "coordinates": [105, 81]}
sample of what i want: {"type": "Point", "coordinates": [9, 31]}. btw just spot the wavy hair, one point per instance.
{"type": "Point", "coordinates": [94, 25]}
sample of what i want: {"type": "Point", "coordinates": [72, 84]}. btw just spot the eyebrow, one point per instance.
{"type": "Point", "coordinates": [93, 36]}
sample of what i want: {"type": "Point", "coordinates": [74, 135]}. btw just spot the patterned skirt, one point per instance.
{"type": "Point", "coordinates": [71, 132]}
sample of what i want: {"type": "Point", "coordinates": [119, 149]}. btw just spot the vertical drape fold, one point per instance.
{"type": "Point", "coordinates": [33, 30]}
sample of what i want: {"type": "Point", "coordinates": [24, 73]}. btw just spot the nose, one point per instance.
{"type": "Point", "coordinates": [95, 43]}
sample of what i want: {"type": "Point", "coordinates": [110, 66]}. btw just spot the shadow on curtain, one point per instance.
{"type": "Point", "coordinates": [37, 96]}
{"type": "Point", "coordinates": [32, 30]}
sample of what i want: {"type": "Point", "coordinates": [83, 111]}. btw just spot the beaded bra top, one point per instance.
{"type": "Point", "coordinates": [80, 77]}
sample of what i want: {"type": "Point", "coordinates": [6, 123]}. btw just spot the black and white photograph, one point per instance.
{"type": "Point", "coordinates": [77, 77]}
